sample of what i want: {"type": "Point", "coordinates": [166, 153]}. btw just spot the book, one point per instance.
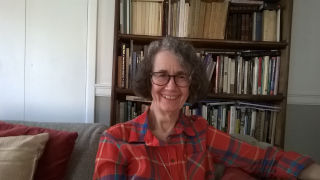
{"type": "Point", "coordinates": [255, 76]}
{"type": "Point", "coordinates": [273, 131]}
{"type": "Point", "coordinates": [239, 75]}
{"type": "Point", "coordinates": [127, 66]}
{"type": "Point", "coordinates": [191, 17]}
{"type": "Point", "coordinates": [119, 68]}
{"type": "Point", "coordinates": [232, 124]}
{"type": "Point", "coordinates": [207, 16]}
{"type": "Point", "coordinates": [216, 88]}
{"type": "Point", "coordinates": [127, 16]}
{"type": "Point", "coordinates": [201, 19]}
{"type": "Point", "coordinates": [260, 72]}
{"type": "Point", "coordinates": [232, 71]}
{"type": "Point", "coordinates": [123, 66]}
{"type": "Point", "coordinates": [245, 77]}
{"type": "Point", "coordinates": [225, 74]}
{"type": "Point", "coordinates": [278, 32]}
{"type": "Point", "coordinates": [265, 75]}
{"type": "Point", "coordinates": [253, 122]}
{"type": "Point", "coordinates": [186, 19]}
{"type": "Point", "coordinates": [276, 79]}
{"type": "Point", "coordinates": [121, 17]}
{"type": "Point", "coordinates": [137, 98]}
{"type": "Point", "coordinates": [181, 18]}
{"type": "Point", "coordinates": [269, 25]}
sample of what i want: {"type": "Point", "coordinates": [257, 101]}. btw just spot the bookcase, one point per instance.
{"type": "Point", "coordinates": [126, 32]}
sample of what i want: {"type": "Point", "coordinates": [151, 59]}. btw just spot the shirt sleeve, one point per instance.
{"type": "Point", "coordinates": [110, 162]}
{"type": "Point", "coordinates": [269, 163]}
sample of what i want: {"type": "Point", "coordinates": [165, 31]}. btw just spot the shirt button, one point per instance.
{"type": "Point", "coordinates": [172, 160]}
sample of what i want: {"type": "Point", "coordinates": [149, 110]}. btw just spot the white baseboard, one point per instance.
{"type": "Point", "coordinates": [304, 99]}
{"type": "Point", "coordinates": [103, 90]}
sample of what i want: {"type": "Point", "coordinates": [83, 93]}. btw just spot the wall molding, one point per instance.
{"type": "Point", "coordinates": [103, 90]}
{"type": "Point", "coordinates": [91, 58]}
{"type": "Point", "coordinates": [304, 99]}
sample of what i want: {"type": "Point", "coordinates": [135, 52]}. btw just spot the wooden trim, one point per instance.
{"type": "Point", "coordinates": [91, 58]}
{"type": "Point", "coordinates": [113, 110]}
{"type": "Point", "coordinates": [210, 43]}
{"type": "Point", "coordinates": [252, 98]}
{"type": "Point", "coordinates": [287, 6]}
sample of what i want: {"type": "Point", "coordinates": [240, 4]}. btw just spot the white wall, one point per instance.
{"type": "Point", "coordinates": [47, 58]}
{"type": "Point", "coordinates": [56, 34]}
{"type": "Point", "coordinates": [105, 37]}
{"type": "Point", "coordinates": [304, 83]}
{"type": "Point", "coordinates": [303, 111]}
{"type": "Point", "coordinates": [12, 43]}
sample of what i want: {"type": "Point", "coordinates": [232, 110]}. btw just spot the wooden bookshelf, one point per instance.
{"type": "Point", "coordinates": [283, 46]}
{"type": "Point", "coordinates": [210, 43]}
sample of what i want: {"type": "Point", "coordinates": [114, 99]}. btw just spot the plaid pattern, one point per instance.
{"type": "Point", "coordinates": [130, 151]}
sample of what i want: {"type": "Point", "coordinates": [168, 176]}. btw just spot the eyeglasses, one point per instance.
{"type": "Point", "coordinates": [163, 78]}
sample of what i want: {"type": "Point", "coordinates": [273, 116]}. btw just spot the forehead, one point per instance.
{"type": "Point", "coordinates": [167, 61]}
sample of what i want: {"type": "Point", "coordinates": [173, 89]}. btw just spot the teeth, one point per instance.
{"type": "Point", "coordinates": [169, 97]}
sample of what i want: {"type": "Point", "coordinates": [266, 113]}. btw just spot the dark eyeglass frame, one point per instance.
{"type": "Point", "coordinates": [169, 77]}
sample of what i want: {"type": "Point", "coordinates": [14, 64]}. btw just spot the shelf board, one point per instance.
{"type": "Point", "coordinates": [210, 43]}
{"type": "Point", "coordinates": [252, 98]}
{"type": "Point", "coordinates": [120, 91]}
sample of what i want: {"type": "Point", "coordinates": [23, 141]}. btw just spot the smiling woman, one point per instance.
{"type": "Point", "coordinates": [163, 143]}
{"type": "Point", "coordinates": [185, 56]}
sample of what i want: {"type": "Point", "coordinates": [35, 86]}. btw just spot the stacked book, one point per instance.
{"type": "Point", "coordinates": [255, 21]}
{"type": "Point", "coordinates": [242, 72]}
{"type": "Point", "coordinates": [237, 117]}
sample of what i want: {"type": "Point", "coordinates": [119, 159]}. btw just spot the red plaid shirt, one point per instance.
{"type": "Point", "coordinates": [130, 150]}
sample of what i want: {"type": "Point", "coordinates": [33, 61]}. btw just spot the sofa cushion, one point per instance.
{"type": "Point", "coordinates": [81, 164]}
{"type": "Point", "coordinates": [19, 155]}
{"type": "Point", "coordinates": [54, 161]}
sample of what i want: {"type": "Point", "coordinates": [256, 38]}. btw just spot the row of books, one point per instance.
{"type": "Point", "coordinates": [246, 72]}
{"type": "Point", "coordinates": [131, 108]}
{"type": "Point", "coordinates": [253, 23]}
{"type": "Point", "coordinates": [198, 19]}
{"type": "Point", "coordinates": [128, 62]}
{"type": "Point", "coordinates": [233, 117]}
{"type": "Point", "coordinates": [236, 117]}
{"type": "Point", "coordinates": [141, 17]}
{"type": "Point", "coordinates": [201, 19]}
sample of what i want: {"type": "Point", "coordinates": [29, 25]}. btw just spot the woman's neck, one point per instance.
{"type": "Point", "coordinates": [162, 123]}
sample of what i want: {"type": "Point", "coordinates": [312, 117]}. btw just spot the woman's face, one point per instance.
{"type": "Point", "coordinates": [169, 97]}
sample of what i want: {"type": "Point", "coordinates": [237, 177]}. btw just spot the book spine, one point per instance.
{"type": "Point", "coordinates": [121, 18]}
{"type": "Point", "coordinates": [232, 123]}
{"type": "Point", "coordinates": [123, 66]}
{"type": "Point", "coordinates": [259, 90]}
{"type": "Point", "coordinates": [276, 79]}
{"type": "Point", "coordinates": [216, 88]}
{"type": "Point", "coordinates": [253, 122]}
{"type": "Point", "coordinates": [245, 82]}
{"type": "Point", "coordinates": [225, 74]}
{"type": "Point", "coordinates": [255, 76]}
{"type": "Point", "coordinates": [278, 24]}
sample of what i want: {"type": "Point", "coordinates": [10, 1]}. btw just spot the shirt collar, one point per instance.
{"type": "Point", "coordinates": [141, 133]}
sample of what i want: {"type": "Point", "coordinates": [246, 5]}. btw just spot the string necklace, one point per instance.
{"type": "Point", "coordinates": [165, 167]}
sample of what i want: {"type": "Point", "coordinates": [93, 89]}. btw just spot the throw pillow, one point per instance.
{"type": "Point", "coordinates": [19, 155]}
{"type": "Point", "coordinates": [53, 163]}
